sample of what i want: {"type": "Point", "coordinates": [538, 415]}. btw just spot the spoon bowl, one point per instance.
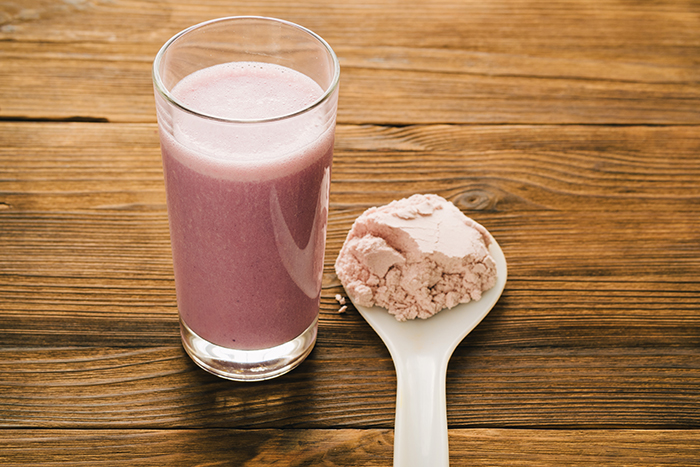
{"type": "Point", "coordinates": [421, 350]}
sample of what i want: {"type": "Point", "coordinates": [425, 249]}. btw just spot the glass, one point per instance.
{"type": "Point", "coordinates": [246, 112]}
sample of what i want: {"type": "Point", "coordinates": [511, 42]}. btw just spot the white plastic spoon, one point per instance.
{"type": "Point", "coordinates": [421, 350]}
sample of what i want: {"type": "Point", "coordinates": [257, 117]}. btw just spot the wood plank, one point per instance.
{"type": "Point", "coordinates": [522, 168]}
{"type": "Point", "coordinates": [246, 448]}
{"type": "Point", "coordinates": [572, 28]}
{"type": "Point", "coordinates": [488, 385]}
{"type": "Point", "coordinates": [122, 92]}
{"type": "Point", "coordinates": [102, 167]}
{"type": "Point", "coordinates": [465, 62]}
{"type": "Point", "coordinates": [196, 447]}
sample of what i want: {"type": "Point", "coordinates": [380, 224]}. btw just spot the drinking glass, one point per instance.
{"type": "Point", "coordinates": [246, 111]}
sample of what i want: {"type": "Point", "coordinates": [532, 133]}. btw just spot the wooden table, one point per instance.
{"type": "Point", "coordinates": [570, 129]}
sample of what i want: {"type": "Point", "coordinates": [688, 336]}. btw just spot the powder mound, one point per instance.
{"type": "Point", "coordinates": [415, 257]}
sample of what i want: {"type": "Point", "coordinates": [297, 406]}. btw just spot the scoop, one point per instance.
{"type": "Point", "coordinates": [421, 350]}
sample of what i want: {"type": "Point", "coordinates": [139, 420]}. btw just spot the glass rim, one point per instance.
{"type": "Point", "coordinates": [168, 96]}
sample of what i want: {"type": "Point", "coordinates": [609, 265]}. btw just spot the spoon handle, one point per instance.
{"type": "Point", "coordinates": [420, 431]}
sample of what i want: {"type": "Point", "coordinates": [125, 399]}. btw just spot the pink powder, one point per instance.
{"type": "Point", "coordinates": [415, 257]}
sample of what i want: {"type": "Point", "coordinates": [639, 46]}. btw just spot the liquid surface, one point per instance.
{"type": "Point", "coordinates": [247, 91]}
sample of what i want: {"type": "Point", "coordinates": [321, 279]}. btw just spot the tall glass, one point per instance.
{"type": "Point", "coordinates": [246, 112]}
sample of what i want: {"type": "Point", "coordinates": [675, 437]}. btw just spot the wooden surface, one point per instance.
{"type": "Point", "coordinates": [570, 129]}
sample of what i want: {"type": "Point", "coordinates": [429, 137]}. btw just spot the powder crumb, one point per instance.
{"type": "Point", "coordinates": [343, 309]}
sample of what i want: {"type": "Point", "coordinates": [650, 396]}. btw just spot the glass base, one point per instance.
{"type": "Point", "coordinates": [248, 365]}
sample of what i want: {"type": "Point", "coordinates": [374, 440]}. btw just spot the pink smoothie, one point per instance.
{"type": "Point", "coordinates": [247, 203]}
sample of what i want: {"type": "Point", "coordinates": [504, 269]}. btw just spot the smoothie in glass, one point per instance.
{"type": "Point", "coordinates": [246, 112]}
{"type": "Point", "coordinates": [248, 218]}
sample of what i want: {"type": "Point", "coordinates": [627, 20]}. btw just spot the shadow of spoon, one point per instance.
{"type": "Point", "coordinates": [421, 350]}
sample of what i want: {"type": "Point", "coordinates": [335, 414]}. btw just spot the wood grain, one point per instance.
{"type": "Point", "coordinates": [417, 62]}
{"type": "Point", "coordinates": [102, 167]}
{"type": "Point", "coordinates": [247, 448]}
{"type": "Point", "coordinates": [568, 128]}
{"type": "Point", "coordinates": [353, 387]}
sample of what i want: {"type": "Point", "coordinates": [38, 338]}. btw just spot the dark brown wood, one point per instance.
{"type": "Point", "coordinates": [370, 447]}
{"type": "Point", "coordinates": [417, 62]}
{"type": "Point", "coordinates": [352, 387]}
{"type": "Point", "coordinates": [570, 129]}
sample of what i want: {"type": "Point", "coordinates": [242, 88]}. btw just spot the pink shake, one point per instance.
{"type": "Point", "coordinates": [247, 203]}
